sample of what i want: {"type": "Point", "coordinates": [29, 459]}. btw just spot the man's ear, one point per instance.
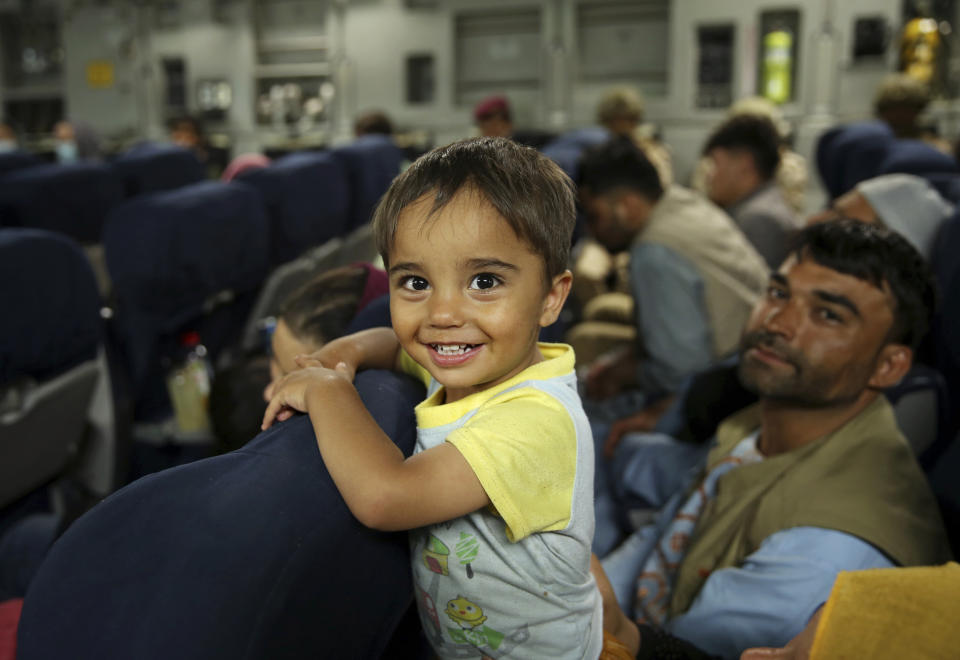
{"type": "Point", "coordinates": [893, 363]}
{"type": "Point", "coordinates": [556, 296]}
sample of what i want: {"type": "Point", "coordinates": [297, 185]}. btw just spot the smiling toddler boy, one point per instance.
{"type": "Point", "coordinates": [499, 492]}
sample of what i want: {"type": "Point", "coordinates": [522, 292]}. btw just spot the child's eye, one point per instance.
{"type": "Point", "coordinates": [414, 283]}
{"type": "Point", "coordinates": [484, 281]}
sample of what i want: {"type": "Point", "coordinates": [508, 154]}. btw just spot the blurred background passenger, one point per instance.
{"type": "Point", "coordinates": [744, 153]}
{"type": "Point", "coordinates": [76, 141]}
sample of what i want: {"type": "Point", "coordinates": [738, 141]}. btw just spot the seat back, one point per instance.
{"type": "Point", "coordinates": [283, 281]}
{"type": "Point", "coordinates": [154, 167]}
{"type": "Point", "coordinates": [17, 160]}
{"type": "Point", "coordinates": [252, 554]}
{"type": "Point", "coordinates": [73, 199]}
{"type": "Point", "coordinates": [945, 335]}
{"type": "Point", "coordinates": [49, 341]}
{"type": "Point", "coordinates": [852, 153]}
{"type": "Point", "coordinates": [307, 200]}
{"type": "Point", "coordinates": [187, 259]}
{"type": "Point", "coordinates": [918, 158]}
{"type": "Point", "coordinates": [921, 406]}
{"type": "Point", "coordinates": [371, 163]}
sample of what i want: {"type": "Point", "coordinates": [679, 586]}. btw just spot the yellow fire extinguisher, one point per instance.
{"type": "Point", "coordinates": [777, 62]}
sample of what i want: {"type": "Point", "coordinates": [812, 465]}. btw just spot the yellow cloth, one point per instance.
{"type": "Point", "coordinates": [530, 487]}
{"type": "Point", "coordinates": [892, 613]}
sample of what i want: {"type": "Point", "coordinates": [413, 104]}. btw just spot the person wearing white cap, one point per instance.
{"type": "Point", "coordinates": [905, 203]}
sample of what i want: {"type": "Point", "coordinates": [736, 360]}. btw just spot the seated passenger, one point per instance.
{"type": "Point", "coordinates": [814, 479]}
{"type": "Point", "coordinates": [494, 118]}
{"type": "Point", "coordinates": [905, 203]}
{"type": "Point", "coordinates": [745, 153]}
{"type": "Point", "coordinates": [694, 277]}
{"type": "Point", "coordinates": [476, 237]}
{"type": "Point", "coordinates": [319, 311]}
{"type": "Point", "coordinates": [792, 173]}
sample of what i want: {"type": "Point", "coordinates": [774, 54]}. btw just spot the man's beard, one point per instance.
{"type": "Point", "coordinates": [804, 386]}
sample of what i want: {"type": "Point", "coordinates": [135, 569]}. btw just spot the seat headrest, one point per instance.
{"type": "Point", "coordinates": [172, 251]}
{"type": "Point", "coordinates": [50, 303]}
{"type": "Point", "coordinates": [73, 199]}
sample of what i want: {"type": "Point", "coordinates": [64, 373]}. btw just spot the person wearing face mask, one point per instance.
{"type": "Point", "coordinates": [76, 141]}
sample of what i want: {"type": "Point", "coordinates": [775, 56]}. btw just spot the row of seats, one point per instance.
{"type": "Point", "coordinates": [197, 258]}
{"type": "Point", "coordinates": [851, 153]}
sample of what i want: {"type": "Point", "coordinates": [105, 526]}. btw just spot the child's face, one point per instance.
{"type": "Point", "coordinates": [467, 296]}
{"type": "Point", "coordinates": [284, 347]}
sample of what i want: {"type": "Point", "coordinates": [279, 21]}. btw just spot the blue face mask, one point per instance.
{"type": "Point", "coordinates": [67, 152]}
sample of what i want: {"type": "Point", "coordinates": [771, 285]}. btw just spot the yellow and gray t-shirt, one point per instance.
{"type": "Point", "coordinates": [513, 579]}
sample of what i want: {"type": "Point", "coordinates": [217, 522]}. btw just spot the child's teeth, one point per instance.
{"type": "Point", "coordinates": [452, 349]}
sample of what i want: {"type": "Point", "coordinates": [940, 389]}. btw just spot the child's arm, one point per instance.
{"type": "Point", "coordinates": [376, 348]}
{"type": "Point", "coordinates": [381, 488]}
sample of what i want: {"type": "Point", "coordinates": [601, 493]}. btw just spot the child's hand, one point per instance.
{"type": "Point", "coordinates": [340, 351]}
{"type": "Point", "coordinates": [290, 394]}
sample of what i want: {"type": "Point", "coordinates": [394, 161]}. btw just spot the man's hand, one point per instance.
{"type": "Point", "coordinates": [291, 393]}
{"type": "Point", "coordinates": [797, 648]}
{"type": "Point", "coordinates": [643, 422]}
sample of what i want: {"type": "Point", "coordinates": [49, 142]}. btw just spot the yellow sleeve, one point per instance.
{"type": "Point", "coordinates": [523, 448]}
{"type": "Point", "coordinates": [411, 367]}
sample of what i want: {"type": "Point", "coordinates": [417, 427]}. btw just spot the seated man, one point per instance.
{"type": "Point", "coordinates": [694, 276]}
{"type": "Point", "coordinates": [905, 203]}
{"type": "Point", "coordinates": [814, 479]}
{"type": "Point", "coordinates": [745, 154]}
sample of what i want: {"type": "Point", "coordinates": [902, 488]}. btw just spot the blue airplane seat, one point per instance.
{"type": "Point", "coordinates": [252, 554]}
{"type": "Point", "coordinates": [17, 160]}
{"type": "Point", "coordinates": [51, 308]}
{"type": "Point", "coordinates": [190, 259]}
{"type": "Point", "coordinates": [49, 368]}
{"type": "Point", "coordinates": [861, 148]}
{"type": "Point", "coordinates": [154, 167]}
{"type": "Point", "coordinates": [371, 163]}
{"type": "Point", "coordinates": [73, 199]}
{"type": "Point", "coordinates": [307, 198]}
{"type": "Point", "coordinates": [945, 335]}
{"type": "Point", "coordinates": [918, 158]}
{"type": "Point", "coordinates": [828, 166]}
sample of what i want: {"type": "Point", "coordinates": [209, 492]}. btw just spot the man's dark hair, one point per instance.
{"type": "Point", "coordinates": [753, 134]}
{"type": "Point", "coordinates": [373, 123]}
{"type": "Point", "coordinates": [619, 163]}
{"type": "Point", "coordinates": [881, 257]}
{"type": "Point", "coordinates": [527, 189]}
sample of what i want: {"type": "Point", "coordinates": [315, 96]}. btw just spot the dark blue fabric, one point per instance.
{"type": "Point", "coordinates": [307, 198]}
{"type": "Point", "coordinates": [849, 154]}
{"type": "Point", "coordinates": [945, 335]}
{"type": "Point", "coordinates": [72, 199]}
{"type": "Point", "coordinates": [578, 139]}
{"type": "Point", "coordinates": [828, 165]}
{"type": "Point", "coordinates": [51, 307]}
{"type": "Point", "coordinates": [17, 160]}
{"type": "Point", "coordinates": [371, 163]}
{"type": "Point", "coordinates": [918, 158]}
{"type": "Point", "coordinates": [375, 315]}
{"type": "Point", "coordinates": [862, 147]}
{"type": "Point", "coordinates": [168, 253]}
{"type": "Point", "coordinates": [252, 554]}
{"type": "Point", "coordinates": [154, 167]}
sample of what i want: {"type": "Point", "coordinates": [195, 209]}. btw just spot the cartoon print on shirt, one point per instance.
{"type": "Point", "coordinates": [467, 549]}
{"type": "Point", "coordinates": [435, 556]}
{"type": "Point", "coordinates": [464, 613]}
